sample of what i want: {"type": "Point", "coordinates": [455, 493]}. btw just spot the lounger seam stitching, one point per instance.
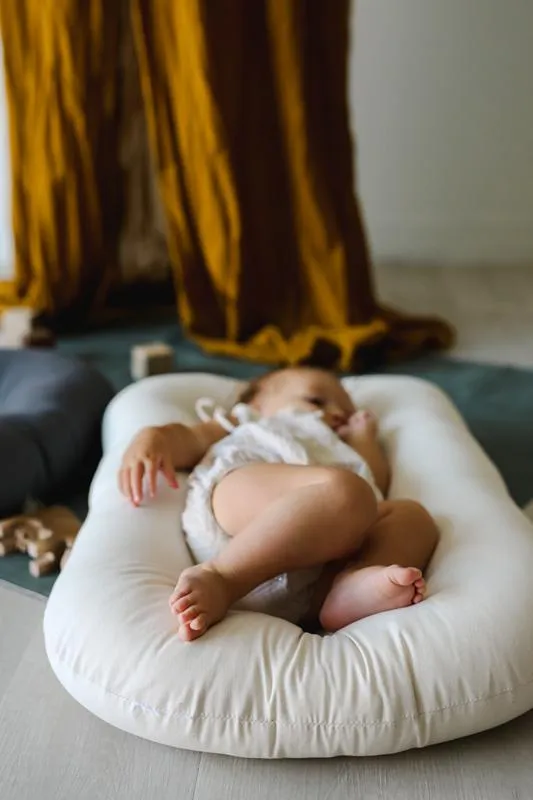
{"type": "Point", "coordinates": [255, 720]}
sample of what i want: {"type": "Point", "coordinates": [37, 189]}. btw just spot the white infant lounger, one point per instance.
{"type": "Point", "coordinates": [257, 686]}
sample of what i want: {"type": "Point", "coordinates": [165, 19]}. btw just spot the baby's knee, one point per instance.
{"type": "Point", "coordinates": [418, 520]}
{"type": "Point", "coordinates": [350, 495]}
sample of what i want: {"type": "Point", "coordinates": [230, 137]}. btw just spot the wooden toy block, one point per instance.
{"type": "Point", "coordinates": [152, 358]}
{"type": "Point", "coordinates": [18, 329]}
{"type": "Point", "coordinates": [44, 565]}
{"type": "Point", "coordinates": [47, 536]}
{"type": "Point", "coordinates": [8, 540]}
{"type": "Point", "coordinates": [16, 324]}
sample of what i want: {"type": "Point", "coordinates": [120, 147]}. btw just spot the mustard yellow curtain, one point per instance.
{"type": "Point", "coordinates": [246, 107]}
{"type": "Point", "coordinates": [60, 63]}
{"type": "Point", "coordinates": [246, 104]}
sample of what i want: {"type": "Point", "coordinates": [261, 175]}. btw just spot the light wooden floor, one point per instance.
{"type": "Point", "coordinates": [492, 308]}
{"type": "Point", "coordinates": [52, 749]}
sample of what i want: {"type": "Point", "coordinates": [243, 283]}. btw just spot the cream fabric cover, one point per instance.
{"type": "Point", "coordinates": [256, 686]}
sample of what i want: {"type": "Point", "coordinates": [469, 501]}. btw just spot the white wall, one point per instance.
{"type": "Point", "coordinates": [442, 106]}
{"type": "Point", "coordinates": [6, 238]}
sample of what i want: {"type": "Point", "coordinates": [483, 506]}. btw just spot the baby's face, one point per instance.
{"type": "Point", "coordinates": [306, 390]}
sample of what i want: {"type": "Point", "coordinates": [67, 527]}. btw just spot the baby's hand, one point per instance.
{"type": "Point", "coordinates": [148, 454]}
{"type": "Point", "coordinates": [361, 425]}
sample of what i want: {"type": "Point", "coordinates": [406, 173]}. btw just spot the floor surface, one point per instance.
{"type": "Point", "coordinates": [52, 749]}
{"type": "Point", "coordinates": [491, 307]}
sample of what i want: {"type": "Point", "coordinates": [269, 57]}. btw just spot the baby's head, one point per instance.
{"type": "Point", "coordinates": [302, 388]}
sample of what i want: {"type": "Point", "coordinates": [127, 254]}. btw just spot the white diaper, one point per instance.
{"type": "Point", "coordinates": [288, 437]}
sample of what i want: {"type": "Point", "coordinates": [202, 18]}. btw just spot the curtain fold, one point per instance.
{"type": "Point", "coordinates": [143, 250]}
{"type": "Point", "coordinates": [246, 108]}
{"type": "Point", "coordinates": [61, 64]}
{"type": "Point", "coordinates": [247, 112]}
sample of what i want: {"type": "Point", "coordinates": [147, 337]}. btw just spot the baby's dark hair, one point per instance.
{"type": "Point", "coordinates": [250, 392]}
{"type": "Point", "coordinates": [252, 389]}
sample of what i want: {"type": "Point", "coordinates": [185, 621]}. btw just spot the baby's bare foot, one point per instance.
{"type": "Point", "coordinates": [358, 593]}
{"type": "Point", "coordinates": [201, 598]}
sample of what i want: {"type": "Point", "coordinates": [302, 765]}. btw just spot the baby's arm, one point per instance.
{"type": "Point", "coordinates": [188, 445]}
{"type": "Point", "coordinates": [164, 449]}
{"type": "Point", "coordinates": [361, 433]}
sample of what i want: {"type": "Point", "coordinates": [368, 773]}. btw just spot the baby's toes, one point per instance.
{"type": "Point", "coordinates": [184, 585]}
{"type": "Point", "coordinates": [199, 623]}
{"type": "Point", "coordinates": [178, 603]}
{"type": "Point", "coordinates": [188, 631]}
{"type": "Point", "coordinates": [175, 598]}
{"type": "Point", "coordinates": [420, 590]}
{"type": "Point", "coordinates": [186, 634]}
{"type": "Point", "coordinates": [187, 615]}
{"type": "Point", "coordinates": [193, 617]}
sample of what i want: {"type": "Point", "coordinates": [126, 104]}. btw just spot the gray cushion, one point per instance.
{"type": "Point", "coordinates": [50, 413]}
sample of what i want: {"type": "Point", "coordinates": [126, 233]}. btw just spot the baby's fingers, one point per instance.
{"type": "Point", "coordinates": [124, 483]}
{"type": "Point", "coordinates": [167, 468]}
{"type": "Point", "coordinates": [136, 482]}
{"type": "Point", "coordinates": [151, 471]}
{"type": "Point", "coordinates": [343, 431]}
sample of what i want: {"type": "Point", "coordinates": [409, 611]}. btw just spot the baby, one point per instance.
{"type": "Point", "coordinates": [285, 508]}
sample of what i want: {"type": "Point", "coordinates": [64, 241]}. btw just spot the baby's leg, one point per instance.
{"type": "Point", "coordinates": [281, 518]}
{"type": "Point", "coordinates": [404, 534]}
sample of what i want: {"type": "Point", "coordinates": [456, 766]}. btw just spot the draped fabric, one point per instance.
{"type": "Point", "coordinates": [61, 65]}
{"type": "Point", "coordinates": [246, 106]}
{"type": "Point", "coordinates": [143, 252]}
{"type": "Point", "coordinates": [247, 109]}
